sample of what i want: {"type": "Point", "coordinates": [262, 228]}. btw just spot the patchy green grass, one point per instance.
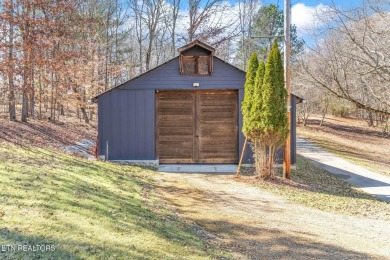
{"type": "Point", "coordinates": [87, 209]}
{"type": "Point", "coordinates": [315, 187]}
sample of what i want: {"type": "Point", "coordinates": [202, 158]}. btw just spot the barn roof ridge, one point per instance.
{"type": "Point", "coordinates": [199, 43]}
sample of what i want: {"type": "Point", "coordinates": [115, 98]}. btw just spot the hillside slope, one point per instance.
{"type": "Point", "coordinates": [85, 209]}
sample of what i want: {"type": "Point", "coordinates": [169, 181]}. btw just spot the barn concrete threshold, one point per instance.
{"type": "Point", "coordinates": [198, 168]}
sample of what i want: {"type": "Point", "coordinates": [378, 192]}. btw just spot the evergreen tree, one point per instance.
{"type": "Point", "coordinates": [273, 114]}
{"type": "Point", "coordinates": [254, 125]}
{"type": "Point", "coordinates": [248, 92]}
{"type": "Point", "coordinates": [254, 118]}
{"type": "Point", "coordinates": [268, 20]}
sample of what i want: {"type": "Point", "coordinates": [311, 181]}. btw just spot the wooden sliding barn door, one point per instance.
{"type": "Point", "coordinates": [197, 126]}
{"type": "Point", "coordinates": [175, 126]}
{"type": "Point", "coordinates": [217, 126]}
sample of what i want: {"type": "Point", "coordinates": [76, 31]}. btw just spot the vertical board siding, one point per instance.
{"type": "Point", "coordinates": [116, 121]}
{"type": "Point", "coordinates": [126, 121]}
{"type": "Point", "coordinates": [248, 155]}
{"type": "Point", "coordinates": [167, 77]}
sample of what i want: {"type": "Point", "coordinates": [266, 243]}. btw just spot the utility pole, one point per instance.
{"type": "Point", "coordinates": [287, 78]}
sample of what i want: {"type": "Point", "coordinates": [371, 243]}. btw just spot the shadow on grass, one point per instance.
{"type": "Point", "coordinates": [198, 196]}
{"type": "Point", "coordinates": [331, 128]}
{"type": "Point", "coordinates": [263, 243]}
{"type": "Point", "coordinates": [40, 133]}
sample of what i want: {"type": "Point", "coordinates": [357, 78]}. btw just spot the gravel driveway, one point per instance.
{"type": "Point", "coordinates": [254, 224]}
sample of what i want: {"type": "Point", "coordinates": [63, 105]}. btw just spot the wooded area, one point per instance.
{"type": "Point", "coordinates": [56, 55]}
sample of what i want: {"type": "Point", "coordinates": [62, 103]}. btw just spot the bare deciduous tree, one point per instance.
{"type": "Point", "coordinates": [353, 60]}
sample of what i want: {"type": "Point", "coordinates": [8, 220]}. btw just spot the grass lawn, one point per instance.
{"type": "Point", "coordinates": [87, 209]}
{"type": "Point", "coordinates": [351, 139]}
{"type": "Point", "coordinates": [315, 187]}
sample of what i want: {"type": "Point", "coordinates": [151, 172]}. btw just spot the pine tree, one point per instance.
{"type": "Point", "coordinates": [248, 92]}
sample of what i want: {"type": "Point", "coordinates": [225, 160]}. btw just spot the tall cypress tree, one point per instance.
{"type": "Point", "coordinates": [274, 122]}
{"type": "Point", "coordinates": [248, 93]}
{"type": "Point", "coordinates": [255, 120]}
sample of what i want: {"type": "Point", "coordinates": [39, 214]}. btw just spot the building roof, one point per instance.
{"type": "Point", "coordinates": [197, 43]}
{"type": "Point", "coordinates": [299, 99]}
{"type": "Point", "coordinates": [181, 49]}
{"type": "Point", "coordinates": [117, 86]}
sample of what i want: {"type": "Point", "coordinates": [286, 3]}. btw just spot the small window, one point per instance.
{"type": "Point", "coordinates": [195, 65]}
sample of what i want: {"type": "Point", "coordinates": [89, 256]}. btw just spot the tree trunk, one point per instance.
{"type": "Point", "coordinates": [40, 95]}
{"type": "Point", "coordinates": [31, 108]}
{"type": "Point", "coordinates": [62, 112]}
{"type": "Point", "coordinates": [51, 99]}
{"type": "Point", "coordinates": [85, 115]}
{"type": "Point", "coordinates": [270, 160]}
{"type": "Point", "coordinates": [324, 112]}
{"type": "Point", "coordinates": [305, 118]}
{"type": "Point", "coordinates": [370, 119]}
{"type": "Point", "coordinates": [11, 95]}
{"type": "Point", "coordinates": [25, 93]}
{"type": "Point", "coordinates": [107, 48]}
{"type": "Point", "coordinates": [147, 61]}
{"type": "Point", "coordinates": [24, 107]}
{"type": "Point", "coordinates": [32, 104]}
{"type": "Point", "coordinates": [54, 110]}
{"type": "Point", "coordinates": [25, 88]}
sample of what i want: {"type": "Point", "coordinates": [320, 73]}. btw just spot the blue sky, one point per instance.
{"type": "Point", "coordinates": [304, 12]}
{"type": "Point", "coordinates": [340, 3]}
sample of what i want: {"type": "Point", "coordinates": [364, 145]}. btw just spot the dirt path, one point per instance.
{"type": "Point", "coordinates": [254, 224]}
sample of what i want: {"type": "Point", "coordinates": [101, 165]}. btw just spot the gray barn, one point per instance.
{"type": "Point", "coordinates": [187, 110]}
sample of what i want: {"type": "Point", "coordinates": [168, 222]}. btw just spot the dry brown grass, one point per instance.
{"type": "Point", "coordinates": [315, 187]}
{"type": "Point", "coordinates": [352, 139]}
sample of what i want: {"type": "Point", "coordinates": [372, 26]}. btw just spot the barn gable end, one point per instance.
{"type": "Point", "coordinates": [167, 76]}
